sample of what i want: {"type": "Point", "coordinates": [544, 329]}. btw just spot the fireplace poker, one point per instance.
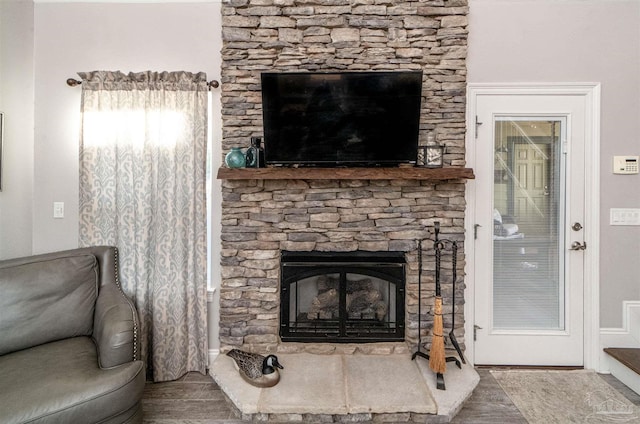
{"type": "Point", "coordinates": [452, 337]}
{"type": "Point", "coordinates": [418, 352]}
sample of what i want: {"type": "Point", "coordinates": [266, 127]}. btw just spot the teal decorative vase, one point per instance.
{"type": "Point", "coordinates": [235, 158]}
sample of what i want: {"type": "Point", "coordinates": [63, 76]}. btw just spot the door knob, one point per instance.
{"type": "Point", "coordinates": [576, 245]}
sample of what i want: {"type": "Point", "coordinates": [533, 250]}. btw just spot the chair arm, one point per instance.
{"type": "Point", "coordinates": [115, 327]}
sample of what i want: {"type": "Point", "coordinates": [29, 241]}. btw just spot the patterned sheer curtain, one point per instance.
{"type": "Point", "coordinates": [142, 189]}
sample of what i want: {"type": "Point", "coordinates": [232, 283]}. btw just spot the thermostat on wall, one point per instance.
{"type": "Point", "coordinates": [625, 164]}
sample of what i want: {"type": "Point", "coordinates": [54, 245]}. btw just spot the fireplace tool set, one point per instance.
{"type": "Point", "coordinates": [436, 356]}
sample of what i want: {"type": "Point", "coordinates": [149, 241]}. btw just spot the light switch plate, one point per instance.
{"type": "Point", "coordinates": [58, 209]}
{"type": "Point", "coordinates": [624, 216]}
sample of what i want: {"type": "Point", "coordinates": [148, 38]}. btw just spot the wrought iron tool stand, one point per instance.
{"type": "Point", "coordinates": [439, 246]}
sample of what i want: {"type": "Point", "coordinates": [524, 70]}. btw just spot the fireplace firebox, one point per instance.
{"type": "Point", "coordinates": [342, 297]}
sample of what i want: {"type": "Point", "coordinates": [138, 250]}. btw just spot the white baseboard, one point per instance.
{"type": "Point", "coordinates": [623, 373]}
{"type": "Point", "coordinates": [213, 354]}
{"type": "Point", "coordinates": [626, 336]}
{"type": "Point", "coordinates": [210, 293]}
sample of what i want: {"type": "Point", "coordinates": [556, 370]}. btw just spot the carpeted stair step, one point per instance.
{"type": "Point", "coordinates": [626, 366]}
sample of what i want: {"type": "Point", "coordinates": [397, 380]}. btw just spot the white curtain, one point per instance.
{"type": "Point", "coordinates": [142, 189]}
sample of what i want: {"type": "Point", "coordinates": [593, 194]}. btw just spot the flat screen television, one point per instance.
{"type": "Point", "coordinates": [341, 118]}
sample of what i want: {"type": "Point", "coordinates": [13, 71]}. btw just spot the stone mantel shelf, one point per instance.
{"type": "Point", "coordinates": [400, 173]}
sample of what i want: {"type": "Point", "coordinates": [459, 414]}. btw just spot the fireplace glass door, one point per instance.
{"type": "Point", "coordinates": [342, 298]}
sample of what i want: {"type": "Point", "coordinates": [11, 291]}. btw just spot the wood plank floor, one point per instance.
{"type": "Point", "coordinates": [196, 399]}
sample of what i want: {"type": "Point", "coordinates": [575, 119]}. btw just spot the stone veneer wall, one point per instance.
{"type": "Point", "coordinates": [262, 217]}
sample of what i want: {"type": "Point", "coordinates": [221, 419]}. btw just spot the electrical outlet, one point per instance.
{"type": "Point", "coordinates": [58, 210]}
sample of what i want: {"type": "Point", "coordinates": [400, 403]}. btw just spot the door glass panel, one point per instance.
{"type": "Point", "coordinates": [528, 271]}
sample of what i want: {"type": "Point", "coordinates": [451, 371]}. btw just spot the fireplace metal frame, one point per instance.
{"type": "Point", "coordinates": [388, 266]}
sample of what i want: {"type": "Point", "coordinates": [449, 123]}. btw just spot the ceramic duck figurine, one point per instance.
{"type": "Point", "coordinates": [257, 370]}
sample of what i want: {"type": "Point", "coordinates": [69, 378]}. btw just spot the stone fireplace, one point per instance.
{"type": "Point", "coordinates": [262, 217]}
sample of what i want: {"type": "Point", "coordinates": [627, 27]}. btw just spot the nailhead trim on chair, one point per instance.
{"type": "Point", "coordinates": [135, 320]}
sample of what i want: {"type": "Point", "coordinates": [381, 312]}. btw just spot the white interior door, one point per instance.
{"type": "Point", "coordinates": [529, 191]}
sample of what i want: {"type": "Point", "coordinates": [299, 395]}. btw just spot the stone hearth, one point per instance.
{"type": "Point", "coordinates": [348, 388]}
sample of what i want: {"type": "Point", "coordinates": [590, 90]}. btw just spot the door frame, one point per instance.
{"type": "Point", "coordinates": [590, 93]}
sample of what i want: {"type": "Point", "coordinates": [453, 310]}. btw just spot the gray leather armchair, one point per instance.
{"type": "Point", "coordinates": [68, 340]}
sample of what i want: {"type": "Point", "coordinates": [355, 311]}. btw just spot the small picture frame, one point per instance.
{"type": "Point", "coordinates": [430, 156]}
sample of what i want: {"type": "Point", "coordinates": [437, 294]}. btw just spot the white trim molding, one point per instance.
{"type": "Point", "coordinates": [211, 309]}
{"type": "Point", "coordinates": [591, 95]}
{"type": "Point", "coordinates": [213, 354]}
{"type": "Point", "coordinates": [210, 294]}
{"type": "Point", "coordinates": [628, 336]}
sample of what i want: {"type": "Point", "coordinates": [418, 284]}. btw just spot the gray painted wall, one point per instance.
{"type": "Point", "coordinates": [81, 37]}
{"type": "Point", "coordinates": [16, 101]}
{"type": "Point", "coordinates": [581, 41]}
{"type": "Point", "coordinates": [526, 41]}
{"type": "Point", "coordinates": [73, 37]}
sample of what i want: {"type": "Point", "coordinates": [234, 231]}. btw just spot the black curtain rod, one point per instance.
{"type": "Point", "coordinates": [73, 82]}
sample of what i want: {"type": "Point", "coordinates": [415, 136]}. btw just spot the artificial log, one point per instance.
{"type": "Point", "coordinates": [325, 305]}
{"type": "Point", "coordinates": [363, 301]}
{"type": "Point", "coordinates": [366, 304]}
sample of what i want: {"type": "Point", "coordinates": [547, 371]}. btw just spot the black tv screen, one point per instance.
{"type": "Point", "coordinates": [341, 118]}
